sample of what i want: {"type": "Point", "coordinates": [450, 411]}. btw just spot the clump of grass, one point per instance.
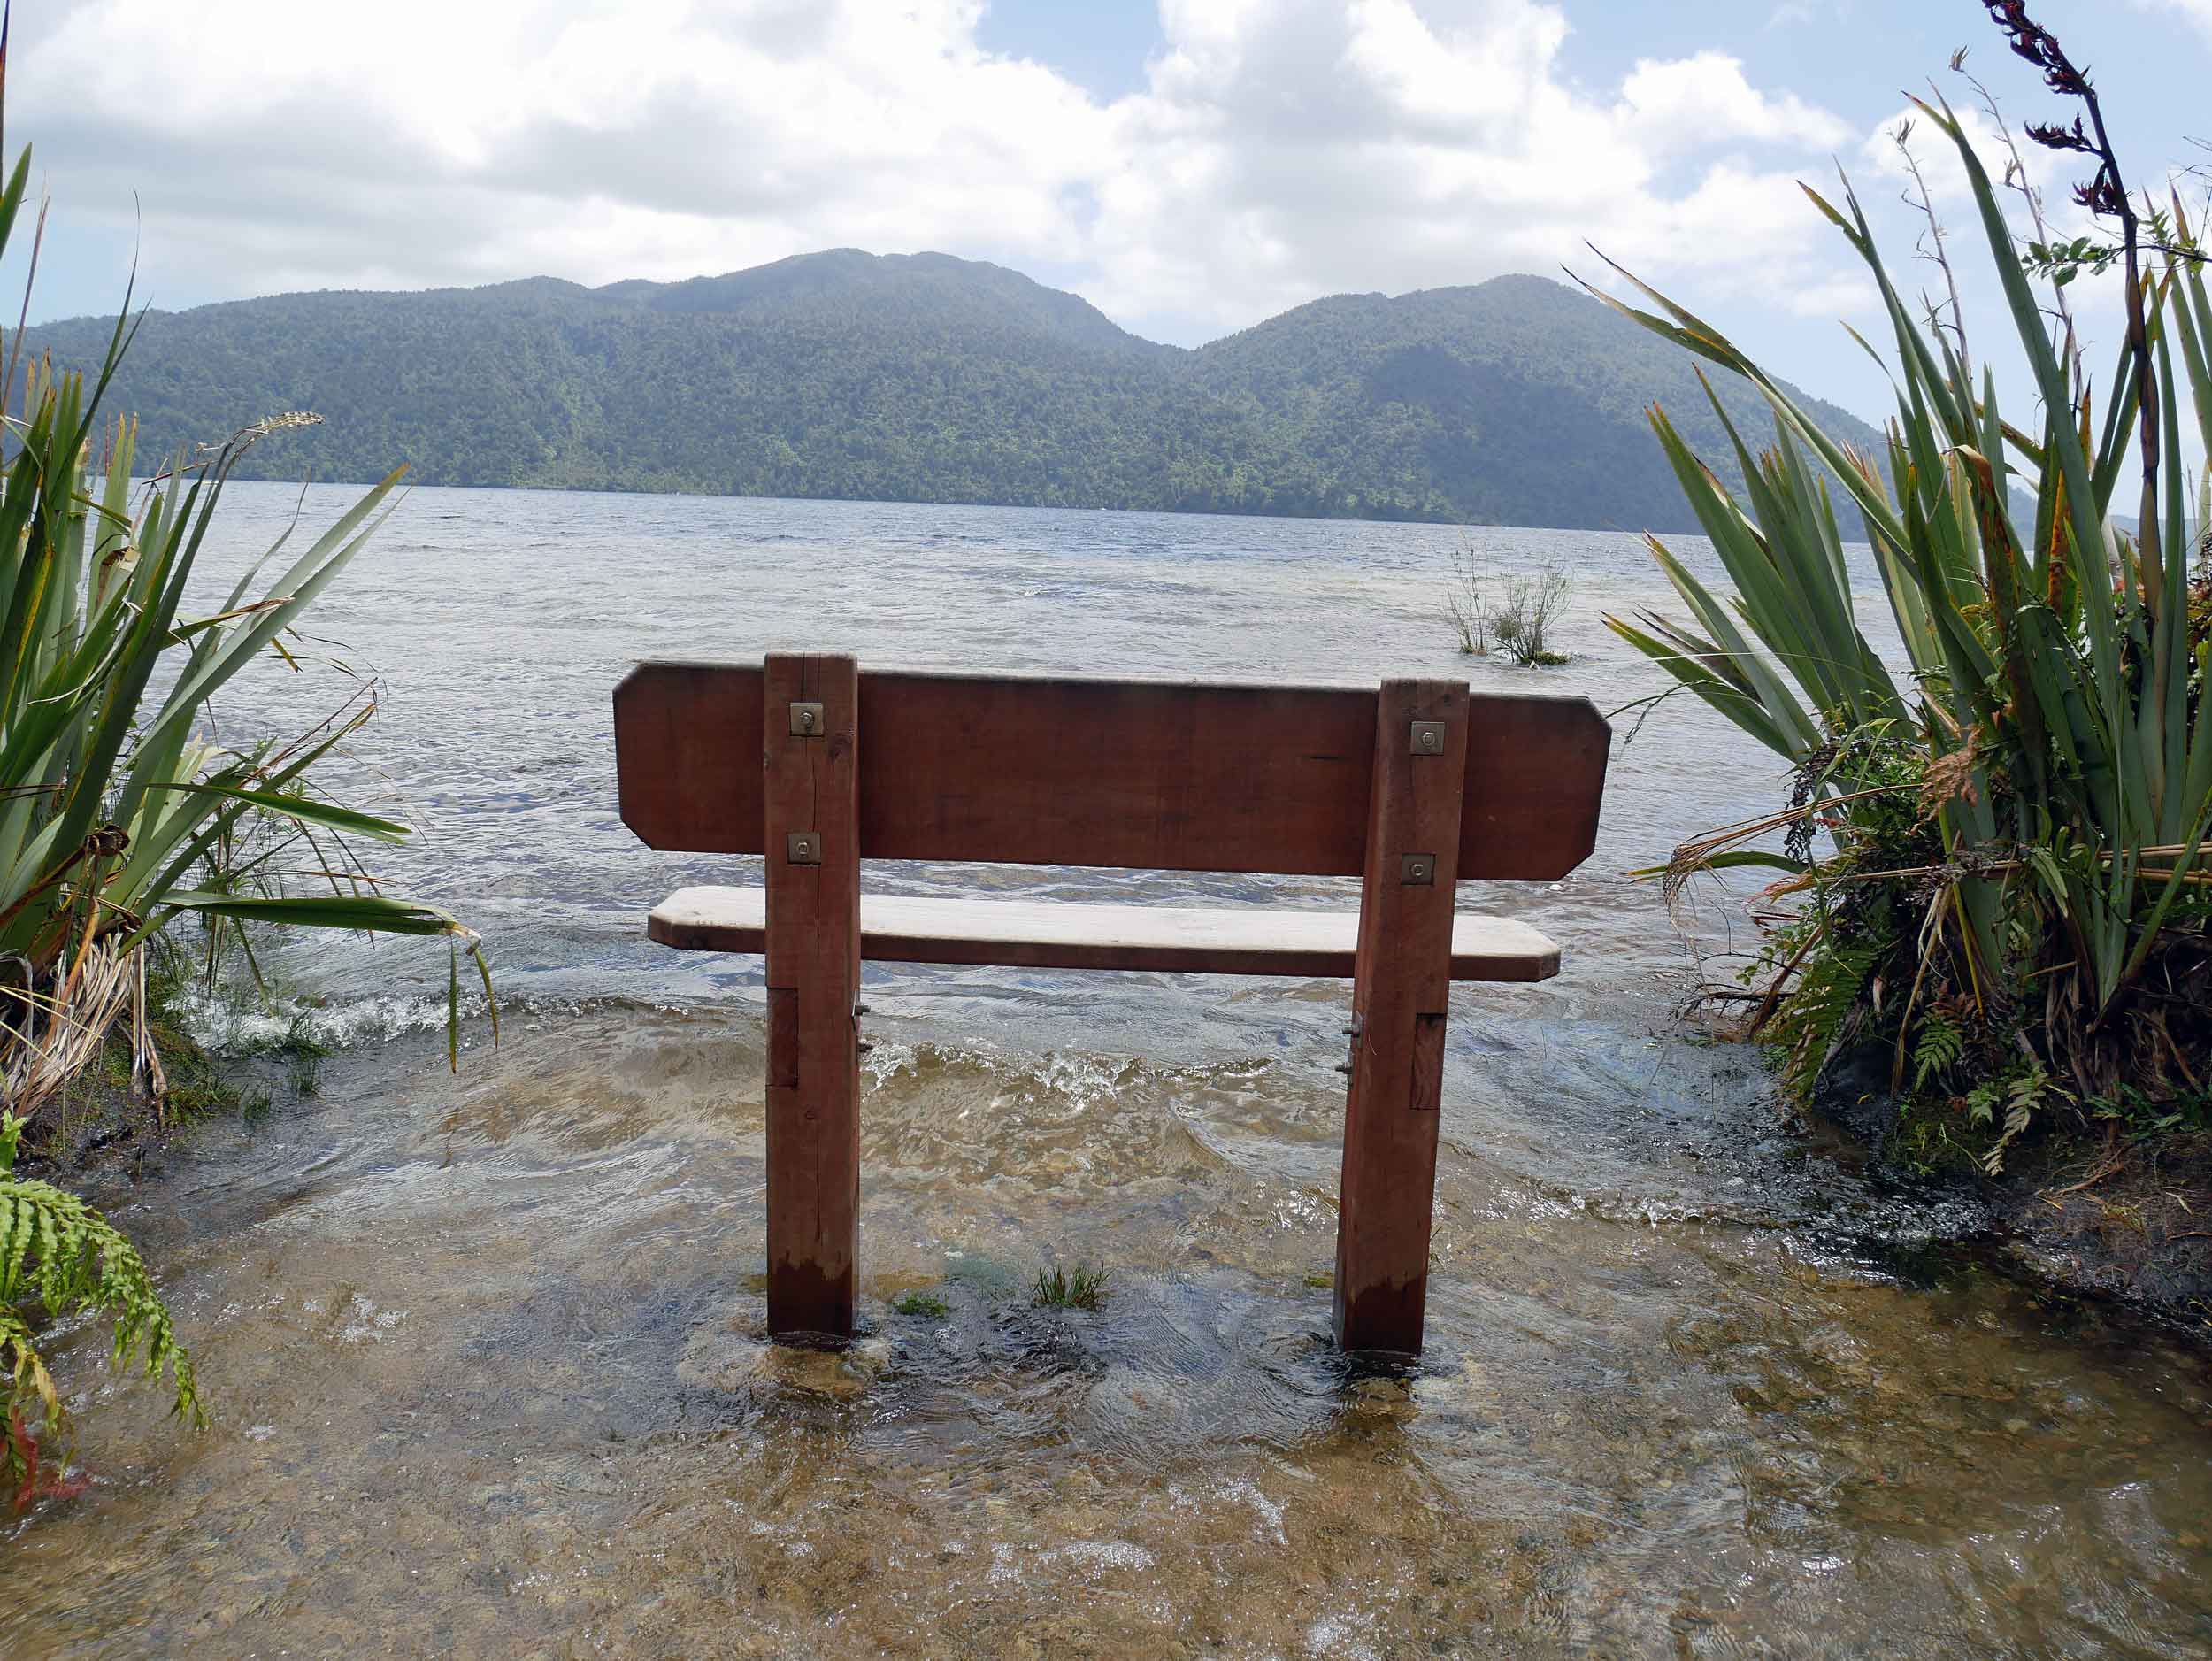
{"type": "Point", "coordinates": [255, 1110]}
{"type": "Point", "coordinates": [1079, 1288]}
{"type": "Point", "coordinates": [1320, 1279]}
{"type": "Point", "coordinates": [1515, 615]}
{"type": "Point", "coordinates": [303, 1055]}
{"type": "Point", "coordinates": [927, 1304]}
{"type": "Point", "coordinates": [1524, 618]}
{"type": "Point", "coordinates": [1463, 602]}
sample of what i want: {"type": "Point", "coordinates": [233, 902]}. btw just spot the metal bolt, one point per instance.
{"type": "Point", "coordinates": [1344, 1067]}
{"type": "Point", "coordinates": [859, 1010]}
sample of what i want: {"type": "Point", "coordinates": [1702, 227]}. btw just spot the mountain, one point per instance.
{"type": "Point", "coordinates": [927, 378]}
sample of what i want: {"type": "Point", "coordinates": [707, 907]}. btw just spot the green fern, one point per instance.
{"type": "Point", "coordinates": [58, 1252]}
{"type": "Point", "coordinates": [1821, 1011]}
{"type": "Point", "coordinates": [2020, 1097]}
{"type": "Point", "coordinates": [1937, 1051]}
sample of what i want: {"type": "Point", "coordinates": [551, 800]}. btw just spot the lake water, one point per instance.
{"type": "Point", "coordinates": [483, 1351]}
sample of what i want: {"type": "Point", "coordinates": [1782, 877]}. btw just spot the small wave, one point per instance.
{"type": "Point", "coordinates": [231, 1029]}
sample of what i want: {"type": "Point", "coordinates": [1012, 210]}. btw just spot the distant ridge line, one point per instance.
{"type": "Point", "coordinates": [929, 378]}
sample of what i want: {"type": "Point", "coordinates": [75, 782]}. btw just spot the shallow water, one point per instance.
{"type": "Point", "coordinates": [483, 1352]}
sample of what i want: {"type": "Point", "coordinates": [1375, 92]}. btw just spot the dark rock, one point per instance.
{"type": "Point", "coordinates": [1852, 1093]}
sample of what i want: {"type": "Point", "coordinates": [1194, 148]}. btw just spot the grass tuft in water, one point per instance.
{"type": "Point", "coordinates": [302, 1053]}
{"type": "Point", "coordinates": [924, 1303]}
{"type": "Point", "coordinates": [255, 1110]}
{"type": "Point", "coordinates": [1079, 1288]}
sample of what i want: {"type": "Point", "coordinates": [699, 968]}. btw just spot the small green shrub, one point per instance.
{"type": "Point", "coordinates": [925, 1304]}
{"type": "Point", "coordinates": [1079, 1288]}
{"type": "Point", "coordinates": [122, 810]}
{"type": "Point", "coordinates": [1515, 614]}
{"type": "Point", "coordinates": [1524, 620]}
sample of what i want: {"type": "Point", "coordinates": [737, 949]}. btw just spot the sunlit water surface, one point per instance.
{"type": "Point", "coordinates": [483, 1355]}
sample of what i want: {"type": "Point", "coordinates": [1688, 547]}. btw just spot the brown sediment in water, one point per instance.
{"type": "Point", "coordinates": [486, 1369]}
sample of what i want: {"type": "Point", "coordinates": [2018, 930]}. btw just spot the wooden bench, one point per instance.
{"type": "Point", "coordinates": [1413, 788]}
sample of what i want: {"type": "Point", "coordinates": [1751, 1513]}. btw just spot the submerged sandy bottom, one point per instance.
{"type": "Point", "coordinates": [484, 1361]}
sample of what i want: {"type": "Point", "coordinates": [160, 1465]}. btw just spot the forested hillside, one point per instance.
{"type": "Point", "coordinates": [927, 378]}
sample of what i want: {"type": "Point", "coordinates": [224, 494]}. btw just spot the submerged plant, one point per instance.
{"type": "Point", "coordinates": [1079, 1288]}
{"type": "Point", "coordinates": [1464, 602]}
{"type": "Point", "coordinates": [1992, 859]}
{"type": "Point", "coordinates": [1515, 614]}
{"type": "Point", "coordinates": [1526, 617]}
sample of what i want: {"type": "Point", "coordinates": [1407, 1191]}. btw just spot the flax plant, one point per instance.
{"type": "Point", "coordinates": [1995, 863]}
{"type": "Point", "coordinates": [120, 814]}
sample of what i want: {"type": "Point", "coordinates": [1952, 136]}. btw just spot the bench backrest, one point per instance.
{"type": "Point", "coordinates": [1176, 776]}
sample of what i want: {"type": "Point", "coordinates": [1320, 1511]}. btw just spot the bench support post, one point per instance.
{"type": "Point", "coordinates": [813, 940]}
{"type": "Point", "coordinates": [1402, 980]}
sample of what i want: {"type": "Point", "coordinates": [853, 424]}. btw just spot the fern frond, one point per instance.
{"type": "Point", "coordinates": [1822, 1010]}
{"type": "Point", "coordinates": [55, 1248]}
{"type": "Point", "coordinates": [1940, 1046]}
{"type": "Point", "coordinates": [59, 1253]}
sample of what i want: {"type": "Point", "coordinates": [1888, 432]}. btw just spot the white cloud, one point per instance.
{"type": "Point", "coordinates": [1696, 100]}
{"type": "Point", "coordinates": [1282, 149]}
{"type": "Point", "coordinates": [1938, 157]}
{"type": "Point", "coordinates": [2197, 11]}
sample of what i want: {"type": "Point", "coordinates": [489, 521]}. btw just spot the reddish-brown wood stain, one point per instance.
{"type": "Point", "coordinates": [1146, 774]}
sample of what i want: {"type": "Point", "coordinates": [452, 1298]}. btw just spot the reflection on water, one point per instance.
{"type": "Point", "coordinates": [484, 1354]}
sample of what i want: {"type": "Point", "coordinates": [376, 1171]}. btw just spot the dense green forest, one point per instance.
{"type": "Point", "coordinates": [927, 378]}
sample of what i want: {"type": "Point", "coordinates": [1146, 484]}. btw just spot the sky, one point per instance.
{"type": "Point", "coordinates": [1190, 166]}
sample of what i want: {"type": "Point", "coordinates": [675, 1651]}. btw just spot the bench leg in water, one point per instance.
{"type": "Point", "coordinates": [1400, 987]}
{"type": "Point", "coordinates": [811, 721]}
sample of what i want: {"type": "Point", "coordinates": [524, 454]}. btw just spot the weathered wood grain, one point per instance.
{"type": "Point", "coordinates": [1401, 994]}
{"type": "Point", "coordinates": [1134, 774]}
{"type": "Point", "coordinates": [811, 934]}
{"type": "Point", "coordinates": [1055, 935]}
{"type": "Point", "coordinates": [687, 745]}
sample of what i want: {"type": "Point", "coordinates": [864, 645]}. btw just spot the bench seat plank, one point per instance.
{"type": "Point", "coordinates": [1058, 934]}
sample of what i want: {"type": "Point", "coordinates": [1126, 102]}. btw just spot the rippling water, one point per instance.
{"type": "Point", "coordinates": [483, 1352]}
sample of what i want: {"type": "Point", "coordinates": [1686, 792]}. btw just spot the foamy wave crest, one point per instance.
{"type": "Point", "coordinates": [229, 1028]}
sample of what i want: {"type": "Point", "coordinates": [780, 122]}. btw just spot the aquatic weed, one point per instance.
{"type": "Point", "coordinates": [1079, 1288]}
